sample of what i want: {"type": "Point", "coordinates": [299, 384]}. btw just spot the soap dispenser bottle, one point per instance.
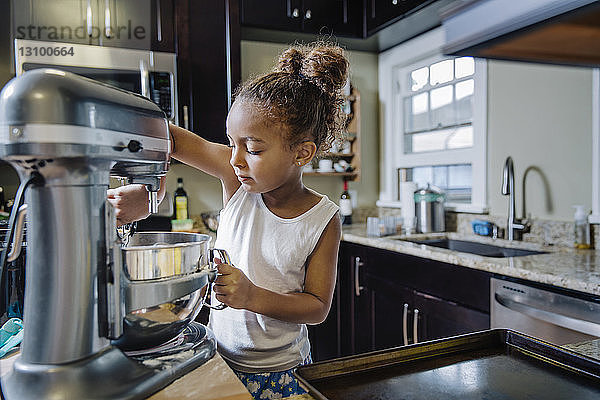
{"type": "Point", "coordinates": [582, 228]}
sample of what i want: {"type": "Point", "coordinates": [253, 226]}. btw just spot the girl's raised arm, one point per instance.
{"type": "Point", "coordinates": [209, 157]}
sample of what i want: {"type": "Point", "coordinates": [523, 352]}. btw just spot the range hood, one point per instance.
{"type": "Point", "coordinates": [548, 31]}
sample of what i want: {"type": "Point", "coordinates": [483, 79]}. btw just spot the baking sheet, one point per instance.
{"type": "Point", "coordinates": [494, 364]}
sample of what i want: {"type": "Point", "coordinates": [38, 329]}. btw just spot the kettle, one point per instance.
{"type": "Point", "coordinates": [429, 209]}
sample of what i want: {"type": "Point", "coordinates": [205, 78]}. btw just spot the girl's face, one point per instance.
{"type": "Point", "coordinates": [260, 157]}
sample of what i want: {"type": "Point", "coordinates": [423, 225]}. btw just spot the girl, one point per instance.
{"type": "Point", "coordinates": [282, 237]}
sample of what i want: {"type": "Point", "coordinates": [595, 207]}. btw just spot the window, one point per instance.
{"type": "Point", "coordinates": [434, 130]}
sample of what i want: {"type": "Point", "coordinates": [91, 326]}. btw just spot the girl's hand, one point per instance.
{"type": "Point", "coordinates": [130, 203]}
{"type": "Point", "coordinates": [232, 286]}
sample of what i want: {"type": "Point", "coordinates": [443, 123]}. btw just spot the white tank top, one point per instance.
{"type": "Point", "coordinates": [272, 252]}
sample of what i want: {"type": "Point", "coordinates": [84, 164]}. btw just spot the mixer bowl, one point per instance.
{"type": "Point", "coordinates": [158, 256]}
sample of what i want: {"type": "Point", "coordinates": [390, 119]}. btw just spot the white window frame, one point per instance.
{"type": "Point", "coordinates": [594, 218]}
{"type": "Point", "coordinates": [427, 46]}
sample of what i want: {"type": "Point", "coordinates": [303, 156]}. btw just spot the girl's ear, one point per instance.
{"type": "Point", "coordinates": [305, 153]}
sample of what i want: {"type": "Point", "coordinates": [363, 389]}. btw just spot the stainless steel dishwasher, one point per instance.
{"type": "Point", "coordinates": [551, 316]}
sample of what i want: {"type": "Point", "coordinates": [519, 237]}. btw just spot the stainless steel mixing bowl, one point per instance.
{"type": "Point", "coordinates": [160, 258]}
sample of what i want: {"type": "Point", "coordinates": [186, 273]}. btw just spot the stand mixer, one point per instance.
{"type": "Point", "coordinates": [66, 136]}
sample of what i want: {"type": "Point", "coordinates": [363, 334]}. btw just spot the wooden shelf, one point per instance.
{"type": "Point", "coordinates": [352, 136]}
{"type": "Point", "coordinates": [345, 174]}
{"type": "Point", "coordinates": [339, 155]}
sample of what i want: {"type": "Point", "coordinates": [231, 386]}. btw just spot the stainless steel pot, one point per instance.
{"type": "Point", "coordinates": [429, 209]}
{"type": "Point", "coordinates": [159, 266]}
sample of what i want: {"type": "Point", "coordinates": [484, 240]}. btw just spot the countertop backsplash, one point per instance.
{"type": "Point", "coordinates": [544, 232]}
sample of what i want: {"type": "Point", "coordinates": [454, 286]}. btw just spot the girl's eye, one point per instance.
{"type": "Point", "coordinates": [254, 153]}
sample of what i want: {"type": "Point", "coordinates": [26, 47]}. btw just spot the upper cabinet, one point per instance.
{"type": "Point", "coordinates": [139, 24]}
{"type": "Point", "coordinates": [381, 13]}
{"type": "Point", "coordinates": [208, 64]}
{"type": "Point", "coordinates": [339, 17]}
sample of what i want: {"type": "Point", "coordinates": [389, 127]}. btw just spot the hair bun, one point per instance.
{"type": "Point", "coordinates": [327, 66]}
{"type": "Point", "coordinates": [324, 64]}
{"type": "Point", "coordinates": [290, 61]}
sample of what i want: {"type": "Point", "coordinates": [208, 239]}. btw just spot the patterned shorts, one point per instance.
{"type": "Point", "coordinates": [272, 385]}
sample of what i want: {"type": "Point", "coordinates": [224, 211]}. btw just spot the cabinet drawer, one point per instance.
{"type": "Point", "coordinates": [455, 283]}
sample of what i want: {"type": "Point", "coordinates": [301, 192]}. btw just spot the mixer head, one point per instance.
{"type": "Point", "coordinates": [52, 116]}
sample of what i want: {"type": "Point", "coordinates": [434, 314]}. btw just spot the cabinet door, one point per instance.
{"type": "Point", "coordinates": [381, 13]}
{"type": "Point", "coordinates": [391, 313]}
{"type": "Point", "coordinates": [285, 15]}
{"type": "Point", "coordinates": [115, 23]}
{"type": "Point", "coordinates": [208, 64]}
{"type": "Point", "coordinates": [439, 318]}
{"type": "Point", "coordinates": [350, 260]}
{"type": "Point", "coordinates": [338, 17]}
{"type": "Point", "coordinates": [125, 23]}
{"type": "Point", "coordinates": [162, 26]}
{"type": "Point", "coordinates": [57, 21]}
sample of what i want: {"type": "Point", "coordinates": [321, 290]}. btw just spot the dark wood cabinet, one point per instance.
{"type": "Point", "coordinates": [386, 299]}
{"type": "Point", "coordinates": [285, 15]}
{"type": "Point", "coordinates": [438, 318]}
{"type": "Point", "coordinates": [163, 30]}
{"type": "Point", "coordinates": [208, 64]}
{"type": "Point", "coordinates": [382, 13]}
{"type": "Point", "coordinates": [338, 17]}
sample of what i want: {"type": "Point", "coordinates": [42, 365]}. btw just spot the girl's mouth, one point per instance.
{"type": "Point", "coordinates": [244, 178]}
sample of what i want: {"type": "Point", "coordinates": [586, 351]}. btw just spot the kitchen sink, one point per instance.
{"type": "Point", "coordinates": [482, 249]}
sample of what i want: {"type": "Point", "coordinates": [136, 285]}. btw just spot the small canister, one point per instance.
{"type": "Point", "coordinates": [429, 209]}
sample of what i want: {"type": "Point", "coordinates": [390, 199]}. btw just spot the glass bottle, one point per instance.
{"type": "Point", "coordinates": [181, 201]}
{"type": "Point", "coordinates": [346, 206]}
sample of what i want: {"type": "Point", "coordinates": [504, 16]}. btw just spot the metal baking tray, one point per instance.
{"type": "Point", "coordinates": [492, 364]}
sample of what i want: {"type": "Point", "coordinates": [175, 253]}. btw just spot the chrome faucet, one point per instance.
{"type": "Point", "coordinates": [515, 227]}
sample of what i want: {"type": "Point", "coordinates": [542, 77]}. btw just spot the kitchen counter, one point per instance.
{"type": "Point", "coordinates": [562, 267]}
{"type": "Point", "coordinates": [213, 380]}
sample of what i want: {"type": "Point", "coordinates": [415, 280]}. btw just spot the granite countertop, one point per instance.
{"type": "Point", "coordinates": [563, 267]}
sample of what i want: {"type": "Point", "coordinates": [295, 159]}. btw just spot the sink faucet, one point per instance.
{"type": "Point", "coordinates": [515, 227]}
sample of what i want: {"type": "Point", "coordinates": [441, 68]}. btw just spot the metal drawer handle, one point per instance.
{"type": "Point", "coordinates": [88, 17]}
{"type": "Point", "coordinates": [158, 22]}
{"type": "Point", "coordinates": [405, 324]}
{"type": "Point", "coordinates": [107, 27]}
{"type": "Point", "coordinates": [186, 118]}
{"type": "Point", "coordinates": [415, 326]}
{"type": "Point", "coordinates": [357, 286]}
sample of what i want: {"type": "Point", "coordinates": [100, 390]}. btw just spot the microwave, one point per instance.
{"type": "Point", "coordinates": [149, 73]}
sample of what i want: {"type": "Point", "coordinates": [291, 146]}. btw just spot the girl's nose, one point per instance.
{"type": "Point", "coordinates": [236, 160]}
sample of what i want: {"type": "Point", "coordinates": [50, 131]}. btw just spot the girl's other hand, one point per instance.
{"type": "Point", "coordinates": [130, 203]}
{"type": "Point", "coordinates": [232, 286]}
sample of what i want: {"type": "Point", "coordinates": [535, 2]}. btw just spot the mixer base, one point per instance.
{"type": "Point", "coordinates": [112, 374]}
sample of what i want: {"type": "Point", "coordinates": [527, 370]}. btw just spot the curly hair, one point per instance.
{"type": "Point", "coordinates": [304, 93]}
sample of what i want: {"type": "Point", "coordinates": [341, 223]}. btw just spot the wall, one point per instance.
{"type": "Point", "coordinates": [540, 115]}
{"type": "Point", "coordinates": [259, 57]}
